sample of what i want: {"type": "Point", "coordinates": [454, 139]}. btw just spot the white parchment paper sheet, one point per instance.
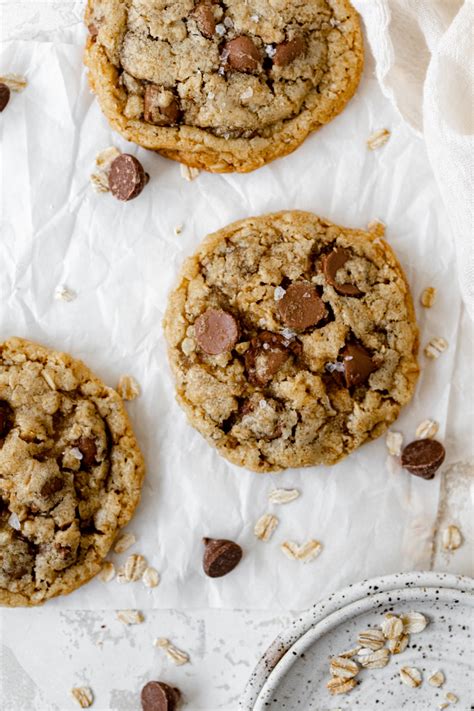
{"type": "Point", "coordinates": [122, 260]}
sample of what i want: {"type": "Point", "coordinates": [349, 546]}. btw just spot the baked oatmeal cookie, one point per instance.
{"type": "Point", "coordinates": [292, 340]}
{"type": "Point", "coordinates": [222, 85]}
{"type": "Point", "coordinates": [70, 472]}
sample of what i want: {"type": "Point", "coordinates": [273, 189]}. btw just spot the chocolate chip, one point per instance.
{"type": "Point", "coordinates": [52, 486]}
{"type": "Point", "coordinates": [158, 696]}
{"type": "Point", "coordinates": [161, 107]}
{"type": "Point", "coordinates": [242, 54]}
{"type": "Point", "coordinates": [4, 95]}
{"type": "Point", "coordinates": [88, 449]}
{"type": "Point", "coordinates": [220, 557]}
{"type": "Point", "coordinates": [266, 355]}
{"type": "Point", "coordinates": [331, 264]}
{"type": "Point", "coordinates": [204, 17]}
{"type": "Point", "coordinates": [216, 331]}
{"type": "Point", "coordinates": [423, 457]}
{"type": "Point", "coordinates": [301, 306]}
{"type": "Point", "coordinates": [287, 52]}
{"type": "Point", "coordinates": [127, 177]}
{"type": "Point", "coordinates": [6, 418]}
{"type": "Point", "coordinates": [358, 364]}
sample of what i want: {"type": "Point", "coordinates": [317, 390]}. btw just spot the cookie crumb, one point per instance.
{"type": "Point", "coordinates": [83, 695]}
{"type": "Point", "coordinates": [378, 139]}
{"type": "Point", "coordinates": [63, 293]}
{"type": "Point", "coordinates": [128, 388]}
{"type": "Point", "coordinates": [394, 442]}
{"type": "Point", "coordinates": [103, 160]}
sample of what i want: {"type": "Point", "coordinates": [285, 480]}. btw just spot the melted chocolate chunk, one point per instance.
{"type": "Point", "coordinates": [266, 355]}
{"type": "Point", "coordinates": [334, 261]}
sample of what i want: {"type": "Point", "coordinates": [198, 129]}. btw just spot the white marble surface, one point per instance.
{"type": "Point", "coordinates": [94, 649]}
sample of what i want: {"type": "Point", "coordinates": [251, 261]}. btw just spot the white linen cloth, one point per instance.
{"type": "Point", "coordinates": [425, 66]}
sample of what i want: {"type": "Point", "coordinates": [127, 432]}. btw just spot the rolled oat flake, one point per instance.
{"type": "Point", "coordinates": [127, 177]}
{"type": "Point", "coordinates": [423, 457]}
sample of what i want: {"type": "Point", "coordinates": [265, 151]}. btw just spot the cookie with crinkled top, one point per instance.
{"type": "Point", "coordinates": [70, 472]}
{"type": "Point", "coordinates": [222, 86]}
{"type": "Point", "coordinates": [292, 340]}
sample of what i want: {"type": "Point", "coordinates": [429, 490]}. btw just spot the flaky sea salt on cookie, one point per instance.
{"type": "Point", "coordinates": [293, 340]}
{"type": "Point", "coordinates": [70, 473]}
{"type": "Point", "coordinates": [222, 86]}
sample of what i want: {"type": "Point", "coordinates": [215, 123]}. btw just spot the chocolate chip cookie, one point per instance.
{"type": "Point", "coordinates": [70, 472]}
{"type": "Point", "coordinates": [293, 340]}
{"type": "Point", "coordinates": [224, 85]}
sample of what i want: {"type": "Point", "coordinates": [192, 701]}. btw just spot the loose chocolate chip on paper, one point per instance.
{"type": "Point", "coordinates": [423, 457]}
{"type": "Point", "coordinates": [127, 177]}
{"type": "Point", "coordinates": [220, 557]}
{"type": "Point", "coordinates": [358, 364]}
{"type": "Point", "coordinates": [331, 264]}
{"type": "Point", "coordinates": [158, 696]}
{"type": "Point", "coordinates": [88, 449]}
{"type": "Point", "coordinates": [242, 54]}
{"type": "Point", "coordinates": [301, 306]}
{"type": "Point", "coordinates": [287, 52]}
{"type": "Point", "coordinates": [204, 17]}
{"type": "Point", "coordinates": [4, 95]}
{"type": "Point", "coordinates": [216, 331]}
{"type": "Point", "coordinates": [266, 355]}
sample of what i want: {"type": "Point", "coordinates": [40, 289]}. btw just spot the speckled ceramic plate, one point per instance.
{"type": "Point", "coordinates": [292, 674]}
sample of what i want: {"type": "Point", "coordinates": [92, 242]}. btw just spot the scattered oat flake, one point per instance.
{"type": "Point", "coordinates": [135, 566]}
{"type": "Point", "coordinates": [411, 676]}
{"type": "Point", "coordinates": [265, 526]}
{"type": "Point", "coordinates": [413, 622]}
{"type": "Point", "coordinates": [151, 577]}
{"type": "Point", "coordinates": [370, 659]}
{"type": "Point", "coordinates": [452, 538]}
{"type": "Point", "coordinates": [428, 297]}
{"type": "Point", "coordinates": [336, 685]}
{"type": "Point", "coordinates": [452, 698]}
{"type": "Point", "coordinates": [107, 572]}
{"type": "Point", "coordinates": [15, 82]}
{"type": "Point", "coordinates": [437, 679]}
{"type": "Point", "coordinates": [392, 627]}
{"type": "Point", "coordinates": [444, 705]}
{"type": "Point", "coordinates": [349, 653]}
{"type": "Point", "coordinates": [63, 293]}
{"type": "Point", "coordinates": [103, 161]}
{"type": "Point", "coordinates": [394, 442]}
{"type": "Point", "coordinates": [427, 429]}
{"type": "Point", "coordinates": [189, 173]}
{"type": "Point", "coordinates": [130, 617]}
{"type": "Point", "coordinates": [178, 229]}
{"type": "Point", "coordinates": [124, 542]}
{"type": "Point", "coordinates": [371, 639]}
{"type": "Point", "coordinates": [83, 695]}
{"type": "Point", "coordinates": [128, 388]}
{"type": "Point", "coordinates": [399, 644]}
{"type": "Point", "coordinates": [283, 496]}
{"type": "Point", "coordinates": [343, 668]}
{"type": "Point", "coordinates": [435, 347]}
{"type": "Point", "coordinates": [305, 553]}
{"type": "Point", "coordinates": [176, 655]}
{"type": "Point", "coordinates": [121, 577]}
{"type": "Point", "coordinates": [378, 139]}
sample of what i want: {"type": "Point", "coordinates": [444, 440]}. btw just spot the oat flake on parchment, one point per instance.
{"type": "Point", "coordinates": [437, 679]}
{"type": "Point", "coordinates": [378, 139]}
{"type": "Point", "coordinates": [83, 696]}
{"type": "Point", "coordinates": [336, 685]}
{"type": "Point", "coordinates": [435, 347]}
{"type": "Point", "coordinates": [305, 553]}
{"type": "Point", "coordinates": [370, 659]}
{"type": "Point", "coordinates": [15, 82]}
{"type": "Point", "coordinates": [451, 538]}
{"type": "Point", "coordinates": [411, 676]}
{"type": "Point", "coordinates": [189, 173]}
{"type": "Point", "coordinates": [371, 639]}
{"type": "Point", "coordinates": [130, 617]}
{"type": "Point", "coordinates": [107, 572]}
{"type": "Point", "coordinates": [124, 542]}
{"type": "Point", "coordinates": [283, 496]}
{"type": "Point", "coordinates": [428, 297]}
{"type": "Point", "coordinates": [151, 578]}
{"type": "Point", "coordinates": [135, 566]}
{"type": "Point", "coordinates": [176, 655]}
{"type": "Point", "coordinates": [64, 293]}
{"type": "Point", "coordinates": [399, 644]}
{"type": "Point", "coordinates": [427, 429]}
{"type": "Point", "coordinates": [343, 668]}
{"type": "Point", "coordinates": [392, 627]}
{"type": "Point", "coordinates": [265, 526]}
{"type": "Point", "coordinates": [128, 388]}
{"type": "Point", "coordinates": [413, 622]}
{"type": "Point", "coordinates": [394, 442]}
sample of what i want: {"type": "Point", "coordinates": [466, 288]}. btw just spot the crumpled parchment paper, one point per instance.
{"type": "Point", "coordinates": [122, 260]}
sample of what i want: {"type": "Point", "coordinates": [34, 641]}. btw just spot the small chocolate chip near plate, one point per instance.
{"type": "Point", "coordinates": [331, 264]}
{"type": "Point", "coordinates": [220, 556]}
{"type": "Point", "coordinates": [216, 331]}
{"type": "Point", "coordinates": [126, 177]}
{"type": "Point", "coordinates": [423, 457]}
{"type": "Point", "coordinates": [4, 95]}
{"type": "Point", "coordinates": [158, 696]}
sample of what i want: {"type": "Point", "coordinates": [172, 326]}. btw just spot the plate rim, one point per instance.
{"type": "Point", "coordinates": [274, 655]}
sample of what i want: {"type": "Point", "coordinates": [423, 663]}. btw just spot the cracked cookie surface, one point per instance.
{"type": "Point", "coordinates": [226, 85]}
{"type": "Point", "coordinates": [70, 472]}
{"type": "Point", "coordinates": [292, 340]}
